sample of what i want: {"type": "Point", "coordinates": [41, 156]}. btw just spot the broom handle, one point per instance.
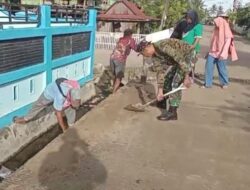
{"type": "Point", "coordinates": [181, 87]}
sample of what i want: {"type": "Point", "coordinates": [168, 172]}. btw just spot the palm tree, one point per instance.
{"type": "Point", "coordinates": [213, 10]}
{"type": "Point", "coordinates": [220, 10]}
{"type": "Point", "coordinates": [198, 6]}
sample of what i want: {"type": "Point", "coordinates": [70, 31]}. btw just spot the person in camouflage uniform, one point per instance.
{"type": "Point", "coordinates": [166, 53]}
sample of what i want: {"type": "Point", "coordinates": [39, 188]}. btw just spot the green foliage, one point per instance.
{"type": "Point", "coordinates": [156, 9]}
{"type": "Point", "coordinates": [152, 8]}
{"type": "Point", "coordinates": [198, 6]}
{"type": "Point", "coordinates": [243, 16]}
{"type": "Point", "coordinates": [176, 10]}
{"type": "Point", "coordinates": [220, 10]}
{"type": "Point", "coordinates": [232, 16]}
{"type": "Point", "coordinates": [213, 10]}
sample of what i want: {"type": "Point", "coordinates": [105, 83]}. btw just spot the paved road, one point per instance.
{"type": "Point", "coordinates": [238, 69]}
{"type": "Point", "coordinates": [113, 149]}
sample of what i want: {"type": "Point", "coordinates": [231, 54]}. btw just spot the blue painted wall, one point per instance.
{"type": "Point", "coordinates": [19, 88]}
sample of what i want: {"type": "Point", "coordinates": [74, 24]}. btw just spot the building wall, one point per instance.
{"type": "Point", "coordinates": [37, 2]}
{"type": "Point", "coordinates": [108, 27]}
{"type": "Point", "coordinates": [120, 8]}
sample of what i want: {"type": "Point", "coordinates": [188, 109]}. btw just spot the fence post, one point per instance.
{"type": "Point", "coordinates": [92, 23]}
{"type": "Point", "coordinates": [45, 23]}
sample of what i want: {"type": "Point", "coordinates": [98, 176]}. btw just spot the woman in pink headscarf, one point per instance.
{"type": "Point", "coordinates": [222, 46]}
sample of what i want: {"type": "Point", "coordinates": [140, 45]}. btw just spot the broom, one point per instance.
{"type": "Point", "coordinates": [141, 107]}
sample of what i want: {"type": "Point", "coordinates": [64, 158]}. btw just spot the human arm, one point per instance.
{"type": "Point", "coordinates": [58, 105]}
{"type": "Point", "coordinates": [198, 32]}
{"type": "Point", "coordinates": [224, 52]}
{"type": "Point", "coordinates": [133, 45]}
{"type": "Point", "coordinates": [196, 42]}
{"type": "Point", "coordinates": [59, 116]}
{"type": "Point", "coordinates": [175, 51]}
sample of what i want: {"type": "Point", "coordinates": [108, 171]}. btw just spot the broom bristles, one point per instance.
{"type": "Point", "coordinates": [135, 108]}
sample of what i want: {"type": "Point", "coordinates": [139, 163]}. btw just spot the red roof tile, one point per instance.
{"type": "Point", "coordinates": [137, 15]}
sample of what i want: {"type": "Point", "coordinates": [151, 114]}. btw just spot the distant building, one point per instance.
{"type": "Point", "coordinates": [121, 15]}
{"type": "Point", "coordinates": [36, 2]}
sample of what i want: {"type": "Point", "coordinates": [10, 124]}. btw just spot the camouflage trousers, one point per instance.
{"type": "Point", "coordinates": [173, 79]}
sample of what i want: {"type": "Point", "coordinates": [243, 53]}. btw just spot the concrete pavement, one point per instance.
{"type": "Point", "coordinates": [238, 69]}
{"type": "Point", "coordinates": [113, 149]}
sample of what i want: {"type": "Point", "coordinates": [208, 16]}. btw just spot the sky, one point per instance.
{"type": "Point", "coordinates": [227, 4]}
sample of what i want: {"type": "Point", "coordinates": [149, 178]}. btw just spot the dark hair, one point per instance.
{"type": "Point", "coordinates": [179, 29]}
{"type": "Point", "coordinates": [142, 45]}
{"type": "Point", "coordinates": [127, 32]}
{"type": "Point", "coordinates": [195, 20]}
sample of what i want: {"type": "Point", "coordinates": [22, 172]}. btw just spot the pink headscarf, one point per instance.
{"type": "Point", "coordinates": [222, 43]}
{"type": "Point", "coordinates": [73, 85]}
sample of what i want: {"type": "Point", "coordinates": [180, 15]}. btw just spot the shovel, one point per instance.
{"type": "Point", "coordinates": [141, 107]}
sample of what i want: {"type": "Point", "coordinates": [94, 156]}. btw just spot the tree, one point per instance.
{"type": "Point", "coordinates": [232, 16]}
{"type": "Point", "coordinates": [213, 10]}
{"type": "Point", "coordinates": [243, 17]}
{"type": "Point", "coordinates": [176, 11]}
{"type": "Point", "coordinates": [164, 14]}
{"type": "Point", "coordinates": [198, 6]}
{"type": "Point", "coordinates": [220, 10]}
{"type": "Point", "coordinates": [169, 11]}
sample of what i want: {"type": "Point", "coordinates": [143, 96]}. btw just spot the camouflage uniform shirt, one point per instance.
{"type": "Point", "coordinates": [170, 52]}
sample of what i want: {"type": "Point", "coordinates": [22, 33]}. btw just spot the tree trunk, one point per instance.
{"type": "Point", "coordinates": [164, 14]}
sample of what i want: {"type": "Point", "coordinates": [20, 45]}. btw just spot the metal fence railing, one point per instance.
{"type": "Point", "coordinates": [23, 14]}
{"type": "Point", "coordinates": [31, 58]}
{"type": "Point", "coordinates": [62, 14]}
{"type": "Point", "coordinates": [19, 14]}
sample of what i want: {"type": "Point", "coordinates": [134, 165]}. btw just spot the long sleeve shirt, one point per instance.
{"type": "Point", "coordinates": [222, 43]}
{"type": "Point", "coordinates": [170, 52]}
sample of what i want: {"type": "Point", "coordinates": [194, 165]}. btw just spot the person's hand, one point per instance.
{"type": "Point", "coordinates": [222, 58]}
{"type": "Point", "coordinates": [206, 56]}
{"type": "Point", "coordinates": [148, 51]}
{"type": "Point", "coordinates": [192, 46]}
{"type": "Point", "coordinates": [187, 82]}
{"type": "Point", "coordinates": [160, 96]}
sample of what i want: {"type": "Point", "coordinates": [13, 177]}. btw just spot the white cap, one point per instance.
{"type": "Point", "coordinates": [223, 15]}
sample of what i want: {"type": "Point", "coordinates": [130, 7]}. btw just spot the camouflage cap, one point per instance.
{"type": "Point", "coordinates": [142, 45]}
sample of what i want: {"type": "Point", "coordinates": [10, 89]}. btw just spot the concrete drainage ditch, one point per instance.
{"type": "Point", "coordinates": [18, 157]}
{"type": "Point", "coordinates": [102, 84]}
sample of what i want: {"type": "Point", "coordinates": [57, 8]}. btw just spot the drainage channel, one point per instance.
{"type": "Point", "coordinates": [103, 87]}
{"type": "Point", "coordinates": [103, 90]}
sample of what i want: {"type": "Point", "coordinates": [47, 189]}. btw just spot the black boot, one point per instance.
{"type": "Point", "coordinates": [170, 115]}
{"type": "Point", "coordinates": [162, 104]}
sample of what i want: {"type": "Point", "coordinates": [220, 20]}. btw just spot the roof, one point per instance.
{"type": "Point", "coordinates": [130, 14]}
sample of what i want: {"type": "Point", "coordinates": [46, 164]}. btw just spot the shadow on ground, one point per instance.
{"type": "Point", "coordinates": [72, 166]}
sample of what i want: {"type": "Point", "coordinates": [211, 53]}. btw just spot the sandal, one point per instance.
{"type": "Point", "coordinates": [224, 86]}
{"type": "Point", "coordinates": [203, 86]}
{"type": "Point", "coordinates": [19, 120]}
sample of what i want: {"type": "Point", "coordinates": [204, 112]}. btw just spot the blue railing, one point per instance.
{"type": "Point", "coordinates": [30, 58]}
